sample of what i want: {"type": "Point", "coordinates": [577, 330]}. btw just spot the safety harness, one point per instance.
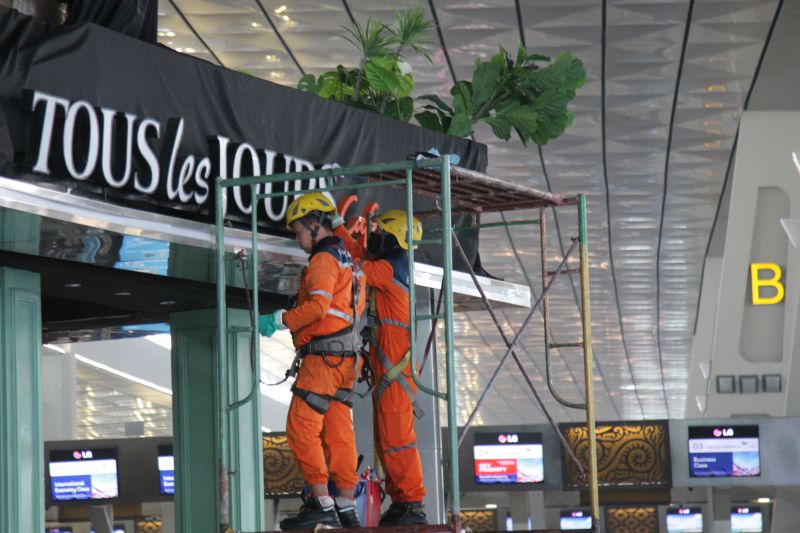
{"type": "Point", "coordinates": [344, 343]}
{"type": "Point", "coordinates": [394, 372]}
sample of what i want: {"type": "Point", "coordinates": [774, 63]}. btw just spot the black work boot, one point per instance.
{"type": "Point", "coordinates": [348, 516]}
{"type": "Point", "coordinates": [312, 513]}
{"type": "Point", "coordinates": [403, 514]}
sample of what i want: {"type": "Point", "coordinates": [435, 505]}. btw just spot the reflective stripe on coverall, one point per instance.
{"type": "Point", "coordinates": [393, 410]}
{"type": "Point", "coordinates": [317, 425]}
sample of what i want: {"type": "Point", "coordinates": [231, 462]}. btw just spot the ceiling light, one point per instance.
{"type": "Point", "coordinates": [122, 293]}
{"type": "Point", "coordinates": [265, 429]}
{"type": "Point", "coordinates": [286, 18]}
{"type": "Point", "coordinates": [170, 34]}
{"type": "Point", "coordinates": [277, 75]}
{"type": "Point", "coordinates": [272, 58]}
{"type": "Point", "coordinates": [716, 88]}
{"type": "Point", "coordinates": [189, 50]}
{"type": "Point", "coordinates": [55, 348]}
{"type": "Point", "coordinates": [162, 34]}
{"type": "Point", "coordinates": [713, 105]}
{"type": "Point", "coordinates": [72, 285]}
{"type": "Point", "coordinates": [255, 24]}
{"type": "Point", "coordinates": [763, 500]}
{"type": "Point", "coordinates": [179, 49]}
{"type": "Point", "coordinates": [491, 506]}
{"type": "Point", "coordinates": [713, 144]}
{"type": "Point", "coordinates": [168, 302]}
{"type": "Point", "coordinates": [120, 373]}
{"type": "Point", "coordinates": [280, 10]}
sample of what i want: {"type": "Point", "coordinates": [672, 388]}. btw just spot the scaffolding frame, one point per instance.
{"type": "Point", "coordinates": [456, 191]}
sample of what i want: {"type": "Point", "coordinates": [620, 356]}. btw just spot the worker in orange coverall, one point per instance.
{"type": "Point", "coordinates": [319, 425]}
{"type": "Point", "coordinates": [387, 279]}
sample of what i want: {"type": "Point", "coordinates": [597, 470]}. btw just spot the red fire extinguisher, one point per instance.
{"type": "Point", "coordinates": [369, 496]}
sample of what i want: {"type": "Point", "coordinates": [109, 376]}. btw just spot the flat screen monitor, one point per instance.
{"type": "Point", "coordinates": [747, 519]}
{"type": "Point", "coordinates": [724, 451]}
{"type": "Point", "coordinates": [118, 528]}
{"type": "Point", "coordinates": [166, 469]}
{"type": "Point", "coordinates": [684, 520]}
{"type": "Point", "coordinates": [508, 458]}
{"type": "Point", "coordinates": [59, 529]}
{"type": "Point", "coordinates": [575, 520]}
{"type": "Point", "coordinates": [84, 474]}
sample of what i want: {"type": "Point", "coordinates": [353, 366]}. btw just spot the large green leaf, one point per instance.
{"type": "Point", "coordinates": [430, 120]}
{"type": "Point", "coordinates": [462, 97]}
{"type": "Point", "coordinates": [485, 82]}
{"type": "Point", "coordinates": [500, 127]}
{"type": "Point", "coordinates": [308, 83]}
{"type": "Point", "coordinates": [461, 126]}
{"type": "Point", "coordinates": [405, 84]}
{"type": "Point", "coordinates": [438, 101]}
{"type": "Point", "coordinates": [380, 77]}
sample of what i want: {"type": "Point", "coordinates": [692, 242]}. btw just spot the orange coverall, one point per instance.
{"type": "Point", "coordinates": [393, 411]}
{"type": "Point", "coordinates": [322, 437]}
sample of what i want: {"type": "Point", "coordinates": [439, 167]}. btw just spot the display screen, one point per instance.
{"type": "Point", "coordinates": [166, 469]}
{"type": "Point", "coordinates": [577, 520]}
{"type": "Point", "coordinates": [508, 458]}
{"type": "Point", "coordinates": [746, 519]}
{"type": "Point", "coordinates": [118, 528]}
{"type": "Point", "coordinates": [685, 520]}
{"type": "Point", "coordinates": [61, 529]}
{"type": "Point", "coordinates": [86, 474]}
{"type": "Point", "coordinates": [724, 451]}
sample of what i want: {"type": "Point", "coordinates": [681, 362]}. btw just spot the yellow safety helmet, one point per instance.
{"type": "Point", "coordinates": [307, 204]}
{"type": "Point", "coordinates": [395, 222]}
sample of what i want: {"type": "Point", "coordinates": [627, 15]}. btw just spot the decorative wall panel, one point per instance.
{"type": "Point", "coordinates": [481, 520]}
{"type": "Point", "coordinates": [631, 520]}
{"type": "Point", "coordinates": [628, 455]}
{"type": "Point", "coordinates": [148, 525]}
{"type": "Point", "coordinates": [282, 476]}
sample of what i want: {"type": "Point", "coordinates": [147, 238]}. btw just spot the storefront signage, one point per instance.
{"type": "Point", "coordinates": [124, 151]}
{"type": "Point", "coordinates": [772, 283]}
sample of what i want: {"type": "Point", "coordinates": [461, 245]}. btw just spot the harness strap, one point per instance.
{"type": "Point", "coordinates": [318, 402]}
{"type": "Point", "coordinates": [395, 374]}
{"type": "Point", "coordinates": [412, 444]}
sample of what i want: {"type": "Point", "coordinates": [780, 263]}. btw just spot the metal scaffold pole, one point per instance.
{"type": "Point", "coordinates": [586, 320]}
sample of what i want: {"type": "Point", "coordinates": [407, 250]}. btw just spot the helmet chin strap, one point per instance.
{"type": "Point", "coordinates": [314, 231]}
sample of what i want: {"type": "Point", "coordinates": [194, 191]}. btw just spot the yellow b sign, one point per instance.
{"type": "Point", "coordinates": [756, 283]}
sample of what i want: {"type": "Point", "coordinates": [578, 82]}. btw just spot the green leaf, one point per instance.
{"type": "Point", "coordinates": [405, 84]}
{"type": "Point", "coordinates": [380, 78]}
{"type": "Point", "coordinates": [500, 127]}
{"type": "Point", "coordinates": [521, 117]}
{"type": "Point", "coordinates": [438, 102]}
{"type": "Point", "coordinates": [462, 97]}
{"type": "Point", "coordinates": [308, 83]}
{"type": "Point", "coordinates": [430, 120]}
{"type": "Point", "coordinates": [461, 126]}
{"type": "Point", "coordinates": [485, 82]}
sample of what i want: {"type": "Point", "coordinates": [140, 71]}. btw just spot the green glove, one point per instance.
{"type": "Point", "coordinates": [270, 323]}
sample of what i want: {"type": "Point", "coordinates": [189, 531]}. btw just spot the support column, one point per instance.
{"type": "Point", "coordinates": [720, 500]}
{"type": "Point", "coordinates": [60, 404]}
{"type": "Point", "coordinates": [21, 462]}
{"type": "Point", "coordinates": [206, 468]}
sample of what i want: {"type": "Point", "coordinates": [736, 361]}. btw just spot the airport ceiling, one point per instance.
{"type": "Point", "coordinates": [651, 146]}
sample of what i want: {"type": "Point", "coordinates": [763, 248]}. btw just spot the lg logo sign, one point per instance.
{"type": "Point", "coordinates": [82, 454]}
{"type": "Point", "coordinates": [723, 432]}
{"type": "Point", "coordinates": [508, 439]}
